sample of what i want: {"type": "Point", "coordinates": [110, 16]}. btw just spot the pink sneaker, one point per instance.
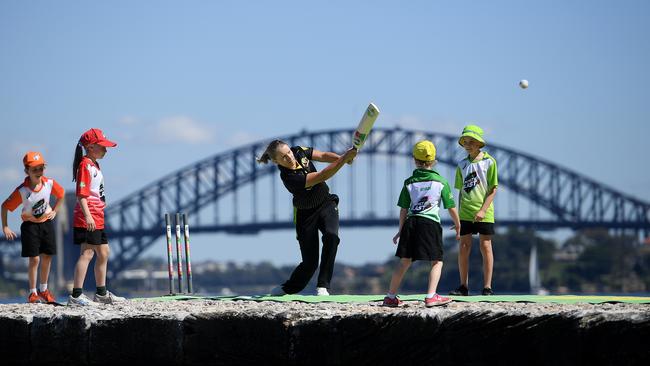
{"type": "Point", "coordinates": [436, 300]}
{"type": "Point", "coordinates": [393, 303]}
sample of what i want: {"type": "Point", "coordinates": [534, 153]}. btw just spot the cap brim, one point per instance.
{"type": "Point", "coordinates": [474, 137]}
{"type": "Point", "coordinates": [106, 143]}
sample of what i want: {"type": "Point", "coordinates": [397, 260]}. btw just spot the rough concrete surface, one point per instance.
{"type": "Point", "coordinates": [243, 332]}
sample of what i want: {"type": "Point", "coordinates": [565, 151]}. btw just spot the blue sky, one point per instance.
{"type": "Point", "coordinates": [176, 82]}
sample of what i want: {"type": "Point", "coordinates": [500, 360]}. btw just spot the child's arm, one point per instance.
{"type": "Point", "coordinates": [480, 215]}
{"type": "Point", "coordinates": [59, 194]}
{"type": "Point", "coordinates": [90, 222]}
{"type": "Point", "coordinates": [454, 217]}
{"type": "Point", "coordinates": [10, 235]}
{"type": "Point", "coordinates": [402, 218]}
{"type": "Point", "coordinates": [55, 210]}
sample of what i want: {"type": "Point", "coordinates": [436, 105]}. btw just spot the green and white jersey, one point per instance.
{"type": "Point", "coordinates": [422, 193]}
{"type": "Point", "coordinates": [474, 179]}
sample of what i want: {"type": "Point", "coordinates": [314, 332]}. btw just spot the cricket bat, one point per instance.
{"type": "Point", "coordinates": [365, 125]}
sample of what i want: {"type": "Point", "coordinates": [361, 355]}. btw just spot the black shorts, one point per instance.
{"type": "Point", "coordinates": [483, 228]}
{"type": "Point", "coordinates": [83, 236]}
{"type": "Point", "coordinates": [420, 239]}
{"type": "Point", "coordinates": [37, 238]}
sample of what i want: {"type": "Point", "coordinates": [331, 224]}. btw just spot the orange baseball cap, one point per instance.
{"type": "Point", "coordinates": [33, 158]}
{"type": "Point", "coordinates": [95, 136]}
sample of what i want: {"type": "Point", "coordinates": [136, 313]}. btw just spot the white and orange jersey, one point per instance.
{"type": "Point", "coordinates": [36, 203]}
{"type": "Point", "coordinates": [90, 185]}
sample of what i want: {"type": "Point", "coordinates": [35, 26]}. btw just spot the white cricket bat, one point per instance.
{"type": "Point", "coordinates": [365, 125]}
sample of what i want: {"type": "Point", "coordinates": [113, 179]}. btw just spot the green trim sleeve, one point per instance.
{"type": "Point", "coordinates": [447, 196]}
{"type": "Point", "coordinates": [404, 200]}
{"type": "Point", "coordinates": [458, 183]}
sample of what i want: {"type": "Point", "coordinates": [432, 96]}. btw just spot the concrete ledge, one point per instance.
{"type": "Point", "coordinates": [150, 340]}
{"type": "Point", "coordinates": [234, 339]}
{"type": "Point", "coordinates": [246, 332]}
{"type": "Point", "coordinates": [59, 339]}
{"type": "Point", "coordinates": [15, 344]}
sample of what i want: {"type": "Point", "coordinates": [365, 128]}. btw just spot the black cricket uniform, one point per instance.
{"type": "Point", "coordinates": [314, 209]}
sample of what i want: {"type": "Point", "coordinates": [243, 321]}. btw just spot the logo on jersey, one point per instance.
{"type": "Point", "coordinates": [305, 163]}
{"type": "Point", "coordinates": [470, 182]}
{"type": "Point", "coordinates": [422, 205]}
{"type": "Point", "coordinates": [39, 208]}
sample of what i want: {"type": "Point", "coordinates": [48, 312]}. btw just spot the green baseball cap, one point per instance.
{"type": "Point", "coordinates": [474, 132]}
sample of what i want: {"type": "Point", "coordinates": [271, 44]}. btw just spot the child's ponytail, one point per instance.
{"type": "Point", "coordinates": [78, 154]}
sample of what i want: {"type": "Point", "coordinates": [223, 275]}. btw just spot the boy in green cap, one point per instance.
{"type": "Point", "coordinates": [476, 180]}
{"type": "Point", "coordinates": [420, 233]}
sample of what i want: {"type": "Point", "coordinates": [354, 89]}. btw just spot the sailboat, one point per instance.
{"type": "Point", "coordinates": [533, 274]}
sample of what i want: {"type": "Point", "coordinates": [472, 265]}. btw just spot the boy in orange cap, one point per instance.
{"type": "Point", "coordinates": [37, 230]}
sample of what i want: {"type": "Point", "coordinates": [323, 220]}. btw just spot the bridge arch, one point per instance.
{"type": "Point", "coordinates": [574, 200]}
{"type": "Point", "coordinates": [571, 200]}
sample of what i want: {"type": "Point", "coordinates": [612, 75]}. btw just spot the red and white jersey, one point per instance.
{"type": "Point", "coordinates": [36, 203]}
{"type": "Point", "coordinates": [90, 185]}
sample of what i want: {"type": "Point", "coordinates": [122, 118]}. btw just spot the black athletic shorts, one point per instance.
{"type": "Point", "coordinates": [484, 228]}
{"type": "Point", "coordinates": [37, 238]}
{"type": "Point", "coordinates": [420, 239]}
{"type": "Point", "coordinates": [83, 236]}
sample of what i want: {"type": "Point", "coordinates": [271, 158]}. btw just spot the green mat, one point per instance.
{"type": "Point", "coordinates": [558, 299]}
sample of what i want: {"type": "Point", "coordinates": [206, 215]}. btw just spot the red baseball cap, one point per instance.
{"type": "Point", "coordinates": [33, 158]}
{"type": "Point", "coordinates": [95, 136]}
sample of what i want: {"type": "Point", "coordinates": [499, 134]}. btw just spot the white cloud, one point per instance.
{"type": "Point", "coordinates": [129, 120]}
{"type": "Point", "coordinates": [429, 125]}
{"type": "Point", "coordinates": [11, 176]}
{"type": "Point", "coordinates": [14, 176]}
{"type": "Point", "coordinates": [128, 127]}
{"type": "Point", "coordinates": [240, 138]}
{"type": "Point", "coordinates": [17, 149]}
{"type": "Point", "coordinates": [183, 129]}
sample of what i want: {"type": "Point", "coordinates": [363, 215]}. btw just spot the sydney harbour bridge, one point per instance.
{"type": "Point", "coordinates": [231, 193]}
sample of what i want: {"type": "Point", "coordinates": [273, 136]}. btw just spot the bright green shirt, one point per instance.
{"type": "Point", "coordinates": [423, 192]}
{"type": "Point", "coordinates": [475, 179]}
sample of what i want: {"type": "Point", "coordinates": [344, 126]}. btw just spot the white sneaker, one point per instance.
{"type": "Point", "coordinates": [82, 300]}
{"type": "Point", "coordinates": [322, 291]}
{"type": "Point", "coordinates": [109, 298]}
{"type": "Point", "coordinates": [277, 291]}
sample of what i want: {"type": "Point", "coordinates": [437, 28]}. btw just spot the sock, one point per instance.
{"type": "Point", "coordinates": [32, 290]}
{"type": "Point", "coordinates": [76, 292]}
{"type": "Point", "coordinates": [101, 290]}
{"type": "Point", "coordinates": [42, 287]}
{"type": "Point", "coordinates": [430, 296]}
{"type": "Point", "coordinates": [390, 296]}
